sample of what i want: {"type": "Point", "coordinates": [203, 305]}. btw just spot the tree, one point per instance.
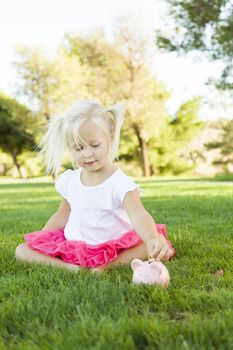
{"type": "Point", "coordinates": [185, 123]}
{"type": "Point", "coordinates": [109, 72]}
{"type": "Point", "coordinates": [202, 25]}
{"type": "Point", "coordinates": [170, 152]}
{"type": "Point", "coordinates": [207, 27]}
{"type": "Point", "coordinates": [50, 84]}
{"type": "Point", "coordinates": [146, 96]}
{"type": "Point", "coordinates": [122, 75]}
{"type": "Point", "coordinates": [225, 144]}
{"type": "Point", "coordinates": [16, 129]}
{"type": "Point", "coordinates": [105, 65]}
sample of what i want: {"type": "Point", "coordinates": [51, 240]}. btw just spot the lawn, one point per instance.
{"type": "Point", "coordinates": [46, 307]}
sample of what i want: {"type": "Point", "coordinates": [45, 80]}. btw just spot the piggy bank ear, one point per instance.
{"type": "Point", "coordinates": [135, 263]}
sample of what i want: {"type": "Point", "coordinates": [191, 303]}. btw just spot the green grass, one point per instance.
{"type": "Point", "coordinates": [51, 308]}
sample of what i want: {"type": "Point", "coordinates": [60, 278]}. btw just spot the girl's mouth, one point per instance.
{"type": "Point", "coordinates": [90, 163]}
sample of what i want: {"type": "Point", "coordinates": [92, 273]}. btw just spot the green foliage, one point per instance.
{"type": "Point", "coordinates": [103, 62]}
{"type": "Point", "coordinates": [225, 145]}
{"type": "Point", "coordinates": [185, 123]}
{"type": "Point", "coordinates": [121, 78]}
{"type": "Point", "coordinates": [6, 164]}
{"type": "Point", "coordinates": [16, 127]}
{"type": "Point", "coordinates": [173, 138]}
{"type": "Point", "coordinates": [91, 67]}
{"type": "Point", "coordinates": [50, 84]}
{"type": "Point", "coordinates": [202, 25]}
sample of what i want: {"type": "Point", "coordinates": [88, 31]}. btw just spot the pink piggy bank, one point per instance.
{"type": "Point", "coordinates": [150, 272]}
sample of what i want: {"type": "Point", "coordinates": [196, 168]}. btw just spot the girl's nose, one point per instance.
{"type": "Point", "coordinates": [87, 152]}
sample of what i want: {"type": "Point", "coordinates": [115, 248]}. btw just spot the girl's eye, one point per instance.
{"type": "Point", "coordinates": [78, 149]}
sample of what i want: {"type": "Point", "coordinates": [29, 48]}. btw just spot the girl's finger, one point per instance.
{"type": "Point", "coordinates": [169, 254]}
{"type": "Point", "coordinates": [153, 248]}
{"type": "Point", "coordinates": [162, 253]}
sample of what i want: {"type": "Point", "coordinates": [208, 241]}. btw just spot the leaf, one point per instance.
{"type": "Point", "coordinates": [218, 273]}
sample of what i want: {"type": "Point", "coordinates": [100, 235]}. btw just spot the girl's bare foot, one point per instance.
{"type": "Point", "coordinates": [99, 269]}
{"type": "Point", "coordinates": [72, 267]}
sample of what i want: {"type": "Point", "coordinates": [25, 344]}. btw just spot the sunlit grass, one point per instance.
{"type": "Point", "coordinates": [49, 308]}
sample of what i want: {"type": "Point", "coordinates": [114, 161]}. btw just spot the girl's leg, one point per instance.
{"type": "Point", "coordinates": [25, 254]}
{"type": "Point", "coordinates": [125, 258]}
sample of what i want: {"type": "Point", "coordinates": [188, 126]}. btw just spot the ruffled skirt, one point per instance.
{"type": "Point", "coordinates": [54, 243]}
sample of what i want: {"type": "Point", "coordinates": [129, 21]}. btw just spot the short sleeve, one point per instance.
{"type": "Point", "coordinates": [62, 182]}
{"type": "Point", "coordinates": [126, 186]}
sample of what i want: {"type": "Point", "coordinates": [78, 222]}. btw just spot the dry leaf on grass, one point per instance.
{"type": "Point", "coordinates": [218, 273]}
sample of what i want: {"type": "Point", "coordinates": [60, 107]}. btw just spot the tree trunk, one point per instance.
{"type": "Point", "coordinates": [145, 158]}
{"type": "Point", "coordinates": [14, 156]}
{"type": "Point", "coordinates": [5, 169]}
{"type": "Point", "coordinates": [144, 152]}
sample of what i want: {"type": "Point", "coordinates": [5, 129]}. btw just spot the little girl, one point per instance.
{"type": "Point", "coordinates": [101, 220]}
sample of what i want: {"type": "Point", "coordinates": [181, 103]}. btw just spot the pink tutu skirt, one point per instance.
{"type": "Point", "coordinates": [54, 243]}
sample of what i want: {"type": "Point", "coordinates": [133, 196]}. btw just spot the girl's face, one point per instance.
{"type": "Point", "coordinates": [92, 150]}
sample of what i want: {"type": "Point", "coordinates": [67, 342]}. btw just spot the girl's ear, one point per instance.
{"type": "Point", "coordinates": [136, 263]}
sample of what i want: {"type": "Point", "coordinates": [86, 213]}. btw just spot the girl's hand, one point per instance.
{"type": "Point", "coordinates": [158, 248]}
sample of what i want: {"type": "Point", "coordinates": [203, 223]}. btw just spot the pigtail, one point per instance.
{"type": "Point", "coordinates": [53, 145]}
{"type": "Point", "coordinates": [117, 111]}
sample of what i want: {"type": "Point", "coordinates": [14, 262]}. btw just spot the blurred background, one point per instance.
{"type": "Point", "coordinates": [169, 61]}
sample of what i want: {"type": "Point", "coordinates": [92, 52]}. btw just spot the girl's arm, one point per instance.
{"type": "Point", "coordinates": [60, 218]}
{"type": "Point", "coordinates": [144, 225]}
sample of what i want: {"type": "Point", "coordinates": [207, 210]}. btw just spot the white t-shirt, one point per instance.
{"type": "Point", "coordinates": [97, 213]}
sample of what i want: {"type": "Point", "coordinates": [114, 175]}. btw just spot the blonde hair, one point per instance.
{"type": "Point", "coordinates": [64, 128]}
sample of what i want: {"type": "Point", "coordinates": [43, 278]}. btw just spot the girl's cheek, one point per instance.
{"type": "Point", "coordinates": [104, 150]}
{"type": "Point", "coordinates": [101, 153]}
{"type": "Point", "coordinates": [76, 157]}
